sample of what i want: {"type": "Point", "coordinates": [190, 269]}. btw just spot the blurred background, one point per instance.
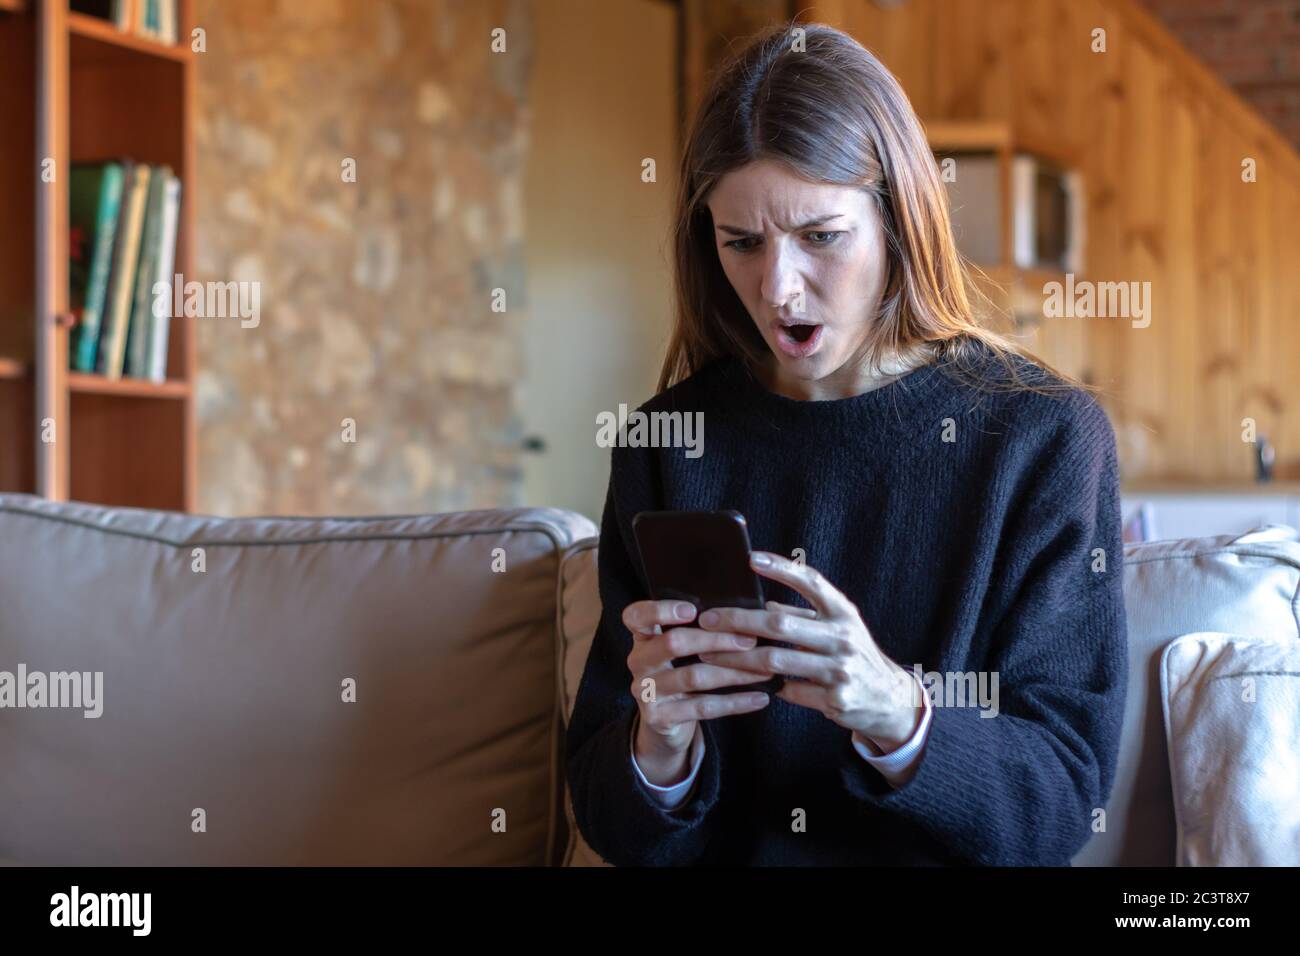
{"type": "Point", "coordinates": [446, 209]}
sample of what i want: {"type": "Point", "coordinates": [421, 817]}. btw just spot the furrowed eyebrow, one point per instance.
{"type": "Point", "coordinates": [819, 221]}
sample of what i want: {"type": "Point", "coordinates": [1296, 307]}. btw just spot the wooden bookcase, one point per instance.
{"type": "Point", "coordinates": [73, 88]}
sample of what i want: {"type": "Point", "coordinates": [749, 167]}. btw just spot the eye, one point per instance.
{"type": "Point", "coordinates": [830, 237]}
{"type": "Point", "coordinates": [735, 244]}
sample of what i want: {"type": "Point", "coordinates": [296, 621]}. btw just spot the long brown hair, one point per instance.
{"type": "Point", "coordinates": [823, 105]}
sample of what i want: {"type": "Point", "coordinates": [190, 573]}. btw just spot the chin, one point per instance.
{"type": "Point", "coordinates": [808, 369]}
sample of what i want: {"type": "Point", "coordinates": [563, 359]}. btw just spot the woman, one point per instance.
{"type": "Point", "coordinates": [952, 504]}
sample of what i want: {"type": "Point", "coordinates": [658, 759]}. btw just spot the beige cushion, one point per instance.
{"type": "Point", "coordinates": [1243, 584]}
{"type": "Point", "coordinates": [222, 688]}
{"type": "Point", "coordinates": [1232, 712]}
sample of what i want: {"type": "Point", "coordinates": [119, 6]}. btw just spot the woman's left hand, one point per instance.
{"type": "Point", "coordinates": [847, 677]}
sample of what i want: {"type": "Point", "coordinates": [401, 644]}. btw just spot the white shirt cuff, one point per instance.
{"type": "Point", "coordinates": [671, 798]}
{"type": "Point", "coordinates": [897, 766]}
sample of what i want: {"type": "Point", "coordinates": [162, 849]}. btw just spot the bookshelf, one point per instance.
{"type": "Point", "coordinates": [74, 88]}
{"type": "Point", "coordinates": [1015, 293]}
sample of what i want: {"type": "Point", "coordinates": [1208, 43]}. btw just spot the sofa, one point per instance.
{"type": "Point", "coordinates": [393, 690]}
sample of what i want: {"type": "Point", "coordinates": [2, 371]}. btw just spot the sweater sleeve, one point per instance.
{"type": "Point", "coordinates": [1020, 788]}
{"type": "Point", "coordinates": [617, 815]}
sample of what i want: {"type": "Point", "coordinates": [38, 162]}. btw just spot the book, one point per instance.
{"type": "Point", "coordinates": [167, 18]}
{"type": "Point", "coordinates": [138, 328]}
{"type": "Point", "coordinates": [121, 282]}
{"type": "Point", "coordinates": [123, 14]}
{"type": "Point", "coordinates": [161, 325]}
{"type": "Point", "coordinates": [155, 19]}
{"type": "Point", "coordinates": [95, 195]}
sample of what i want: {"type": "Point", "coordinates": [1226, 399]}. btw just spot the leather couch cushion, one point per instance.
{"type": "Point", "coordinates": [223, 688]}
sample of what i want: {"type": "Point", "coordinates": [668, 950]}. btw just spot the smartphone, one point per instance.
{"type": "Point", "coordinates": [702, 557]}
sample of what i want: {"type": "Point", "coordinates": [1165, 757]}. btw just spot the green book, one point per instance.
{"type": "Point", "coordinates": [121, 282]}
{"type": "Point", "coordinates": [95, 195]}
{"type": "Point", "coordinates": [138, 329]}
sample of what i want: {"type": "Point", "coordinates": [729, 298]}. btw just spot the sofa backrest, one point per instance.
{"type": "Point", "coordinates": [224, 645]}
{"type": "Point", "coordinates": [228, 648]}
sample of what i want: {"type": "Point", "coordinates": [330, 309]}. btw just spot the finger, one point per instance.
{"type": "Point", "coordinates": [684, 641]}
{"type": "Point", "coordinates": [699, 677]}
{"type": "Point", "coordinates": [649, 618]}
{"type": "Point", "coordinates": [778, 660]}
{"type": "Point", "coordinates": [804, 694]}
{"type": "Point", "coordinates": [801, 611]}
{"type": "Point", "coordinates": [776, 625]}
{"type": "Point", "coordinates": [708, 706]}
{"type": "Point", "coordinates": [825, 598]}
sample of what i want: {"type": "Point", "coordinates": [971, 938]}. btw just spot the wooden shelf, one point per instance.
{"type": "Point", "coordinates": [12, 368]}
{"type": "Point", "coordinates": [101, 31]}
{"type": "Point", "coordinates": [86, 383]}
{"type": "Point", "coordinates": [1014, 275]}
{"type": "Point", "coordinates": [958, 135]}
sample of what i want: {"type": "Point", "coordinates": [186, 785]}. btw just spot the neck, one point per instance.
{"type": "Point", "coordinates": [853, 379]}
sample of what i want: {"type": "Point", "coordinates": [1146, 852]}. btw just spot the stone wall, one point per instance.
{"type": "Point", "coordinates": [375, 295]}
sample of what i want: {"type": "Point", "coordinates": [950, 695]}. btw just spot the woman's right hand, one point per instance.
{"type": "Point", "coordinates": [669, 716]}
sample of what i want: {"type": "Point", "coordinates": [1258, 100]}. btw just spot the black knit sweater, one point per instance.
{"type": "Point", "coordinates": [974, 531]}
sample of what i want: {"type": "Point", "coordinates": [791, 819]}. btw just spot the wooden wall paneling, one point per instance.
{"type": "Point", "coordinates": [1101, 89]}
{"type": "Point", "coordinates": [1207, 84]}
{"type": "Point", "coordinates": [1220, 317]}
{"type": "Point", "coordinates": [903, 39]}
{"type": "Point", "coordinates": [1144, 208]}
{"type": "Point", "coordinates": [1262, 400]}
{"type": "Point", "coordinates": [972, 51]}
{"type": "Point", "coordinates": [1046, 68]}
{"type": "Point", "coordinates": [1286, 240]}
{"type": "Point", "coordinates": [1088, 96]}
{"type": "Point", "coordinates": [1256, 285]}
{"type": "Point", "coordinates": [1176, 308]}
{"type": "Point", "coordinates": [1246, 370]}
{"type": "Point", "coordinates": [1159, 141]}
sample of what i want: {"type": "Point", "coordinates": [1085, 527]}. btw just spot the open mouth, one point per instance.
{"type": "Point", "coordinates": [799, 339]}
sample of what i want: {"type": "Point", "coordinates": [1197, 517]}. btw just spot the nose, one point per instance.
{"type": "Point", "coordinates": [780, 280]}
